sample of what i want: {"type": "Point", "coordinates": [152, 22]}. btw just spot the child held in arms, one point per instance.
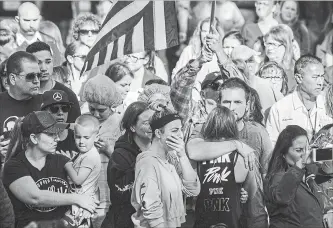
{"type": "Point", "coordinates": [84, 169]}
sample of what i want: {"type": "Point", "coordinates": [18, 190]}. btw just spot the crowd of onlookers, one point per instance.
{"type": "Point", "coordinates": [227, 131]}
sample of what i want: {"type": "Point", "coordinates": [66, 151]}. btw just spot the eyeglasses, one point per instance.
{"type": "Point", "coordinates": [134, 59]}
{"type": "Point", "coordinates": [80, 56]}
{"type": "Point", "coordinates": [274, 78]}
{"type": "Point", "coordinates": [31, 76]}
{"type": "Point", "coordinates": [273, 45]}
{"type": "Point", "coordinates": [55, 109]}
{"type": "Point", "coordinates": [85, 32]}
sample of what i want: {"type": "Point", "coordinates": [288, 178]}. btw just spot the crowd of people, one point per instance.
{"type": "Point", "coordinates": [228, 135]}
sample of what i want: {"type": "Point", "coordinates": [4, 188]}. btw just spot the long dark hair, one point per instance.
{"type": "Point", "coordinates": [130, 117]}
{"type": "Point", "coordinates": [18, 142]}
{"type": "Point", "coordinates": [277, 162]}
{"type": "Point", "coordinates": [220, 124]}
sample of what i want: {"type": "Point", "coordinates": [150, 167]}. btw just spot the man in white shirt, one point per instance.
{"type": "Point", "coordinates": [304, 107]}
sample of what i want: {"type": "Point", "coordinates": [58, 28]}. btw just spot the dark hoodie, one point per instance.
{"type": "Point", "coordinates": [120, 175]}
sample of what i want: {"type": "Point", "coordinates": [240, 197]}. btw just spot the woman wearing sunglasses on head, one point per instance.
{"type": "Point", "coordinates": [57, 104]}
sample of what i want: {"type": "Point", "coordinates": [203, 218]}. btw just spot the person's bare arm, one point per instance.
{"type": "Point", "coordinates": [200, 150]}
{"type": "Point", "coordinates": [26, 190]}
{"type": "Point", "coordinates": [77, 177]}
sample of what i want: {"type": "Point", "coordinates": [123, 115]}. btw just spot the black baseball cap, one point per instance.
{"type": "Point", "coordinates": [211, 78]}
{"type": "Point", "coordinates": [41, 121]}
{"type": "Point", "coordinates": [54, 97]}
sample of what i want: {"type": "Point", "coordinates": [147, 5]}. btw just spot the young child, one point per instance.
{"type": "Point", "coordinates": [85, 168]}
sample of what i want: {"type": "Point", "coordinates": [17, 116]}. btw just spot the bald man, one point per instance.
{"type": "Point", "coordinates": [29, 19]}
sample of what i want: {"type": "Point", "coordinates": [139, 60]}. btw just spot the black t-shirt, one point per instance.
{"type": "Point", "coordinates": [52, 177]}
{"type": "Point", "coordinates": [219, 198]}
{"type": "Point", "coordinates": [68, 147]}
{"type": "Point", "coordinates": [11, 109]}
{"type": "Point", "coordinates": [75, 111]}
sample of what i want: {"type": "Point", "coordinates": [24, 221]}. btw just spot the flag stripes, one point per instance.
{"type": "Point", "coordinates": [132, 27]}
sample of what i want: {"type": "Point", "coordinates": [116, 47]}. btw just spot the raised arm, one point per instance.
{"type": "Point", "coordinates": [227, 67]}
{"type": "Point", "coordinates": [183, 84]}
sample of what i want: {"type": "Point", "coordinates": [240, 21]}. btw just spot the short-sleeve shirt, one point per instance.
{"type": "Point", "coordinates": [51, 177]}
{"type": "Point", "coordinates": [12, 109]}
{"type": "Point", "coordinates": [92, 161]}
{"type": "Point", "coordinates": [67, 147]}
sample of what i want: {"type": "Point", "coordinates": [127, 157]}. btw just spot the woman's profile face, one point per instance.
{"type": "Point", "coordinates": [298, 150]}
{"type": "Point", "coordinates": [274, 50]}
{"type": "Point", "coordinates": [289, 11]}
{"type": "Point", "coordinates": [229, 44]}
{"type": "Point", "coordinates": [204, 32]}
{"type": "Point", "coordinates": [124, 84]}
{"type": "Point", "coordinates": [142, 127]}
{"type": "Point", "coordinates": [47, 142]}
{"type": "Point", "coordinates": [101, 112]}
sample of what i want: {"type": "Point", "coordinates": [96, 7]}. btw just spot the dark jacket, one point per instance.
{"type": "Point", "coordinates": [7, 218]}
{"type": "Point", "coordinates": [291, 203]}
{"type": "Point", "coordinates": [121, 174]}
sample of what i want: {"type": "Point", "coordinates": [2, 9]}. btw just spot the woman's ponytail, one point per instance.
{"type": "Point", "coordinates": [16, 142]}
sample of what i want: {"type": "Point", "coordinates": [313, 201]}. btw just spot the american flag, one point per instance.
{"type": "Point", "coordinates": [132, 27]}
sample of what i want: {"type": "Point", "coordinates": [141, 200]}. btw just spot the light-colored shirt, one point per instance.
{"type": "Point", "coordinates": [157, 192]}
{"type": "Point", "coordinates": [290, 110]}
{"type": "Point", "coordinates": [92, 161]}
{"type": "Point", "coordinates": [20, 39]}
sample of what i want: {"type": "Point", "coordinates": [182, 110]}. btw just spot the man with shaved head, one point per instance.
{"type": "Point", "coordinates": [29, 19]}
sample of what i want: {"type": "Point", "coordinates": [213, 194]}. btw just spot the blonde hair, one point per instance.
{"type": "Point", "coordinates": [284, 35]}
{"type": "Point", "coordinates": [195, 40]}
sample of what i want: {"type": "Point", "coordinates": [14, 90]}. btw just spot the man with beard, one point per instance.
{"type": "Point", "coordinates": [304, 107]}
{"type": "Point", "coordinates": [43, 53]}
{"type": "Point", "coordinates": [29, 19]}
{"type": "Point", "coordinates": [22, 95]}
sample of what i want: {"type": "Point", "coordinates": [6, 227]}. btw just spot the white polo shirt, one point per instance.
{"type": "Point", "coordinates": [290, 110]}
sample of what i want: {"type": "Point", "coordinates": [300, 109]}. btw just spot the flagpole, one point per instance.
{"type": "Point", "coordinates": [212, 15]}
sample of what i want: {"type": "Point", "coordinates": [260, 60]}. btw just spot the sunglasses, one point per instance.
{"type": "Point", "coordinates": [55, 109]}
{"type": "Point", "coordinates": [31, 76]}
{"type": "Point", "coordinates": [86, 32]}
